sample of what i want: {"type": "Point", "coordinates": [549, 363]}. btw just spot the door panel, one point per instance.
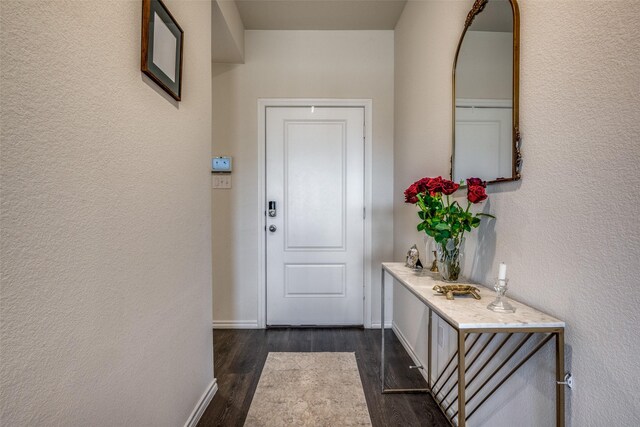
{"type": "Point", "coordinates": [315, 174]}
{"type": "Point", "coordinates": [315, 280]}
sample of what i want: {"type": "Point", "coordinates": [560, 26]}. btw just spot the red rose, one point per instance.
{"type": "Point", "coordinates": [449, 187]}
{"type": "Point", "coordinates": [410, 194]}
{"type": "Point", "coordinates": [422, 184]}
{"type": "Point", "coordinates": [476, 181]}
{"type": "Point", "coordinates": [434, 185]}
{"type": "Point", "coordinates": [476, 193]}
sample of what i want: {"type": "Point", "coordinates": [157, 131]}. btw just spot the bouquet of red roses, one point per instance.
{"type": "Point", "coordinates": [442, 218]}
{"type": "Point", "coordinates": [445, 220]}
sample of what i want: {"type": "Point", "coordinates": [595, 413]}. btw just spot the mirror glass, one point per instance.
{"type": "Point", "coordinates": [485, 93]}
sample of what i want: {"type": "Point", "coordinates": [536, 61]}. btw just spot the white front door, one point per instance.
{"type": "Point", "coordinates": [315, 241]}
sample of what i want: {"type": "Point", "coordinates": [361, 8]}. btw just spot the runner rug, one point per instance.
{"type": "Point", "coordinates": [309, 389]}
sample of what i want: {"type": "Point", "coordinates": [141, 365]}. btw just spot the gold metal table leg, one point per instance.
{"type": "Point", "coordinates": [429, 348]}
{"type": "Point", "coordinates": [461, 381]}
{"type": "Point", "coordinates": [560, 378]}
{"type": "Point", "coordinates": [382, 329]}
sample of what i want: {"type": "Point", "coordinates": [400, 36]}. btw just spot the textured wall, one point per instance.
{"type": "Point", "coordinates": [569, 229]}
{"type": "Point", "coordinates": [106, 217]}
{"type": "Point", "coordinates": [291, 64]}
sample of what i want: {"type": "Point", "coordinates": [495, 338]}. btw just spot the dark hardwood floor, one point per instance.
{"type": "Point", "coordinates": [240, 356]}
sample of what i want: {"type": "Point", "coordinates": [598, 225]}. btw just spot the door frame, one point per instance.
{"type": "Point", "coordinates": [263, 103]}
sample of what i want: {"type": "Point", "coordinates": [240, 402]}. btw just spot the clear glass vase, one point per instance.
{"type": "Point", "coordinates": [449, 256]}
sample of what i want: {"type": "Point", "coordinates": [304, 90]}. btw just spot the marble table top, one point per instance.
{"type": "Point", "coordinates": [465, 312]}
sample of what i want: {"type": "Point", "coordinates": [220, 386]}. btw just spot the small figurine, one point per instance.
{"type": "Point", "coordinates": [434, 266]}
{"type": "Point", "coordinates": [450, 290]}
{"type": "Point", "coordinates": [413, 258]}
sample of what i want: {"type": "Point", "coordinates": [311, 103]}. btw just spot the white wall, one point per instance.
{"type": "Point", "coordinates": [291, 64]}
{"type": "Point", "coordinates": [106, 250]}
{"type": "Point", "coordinates": [569, 229]}
{"type": "Point", "coordinates": [485, 66]}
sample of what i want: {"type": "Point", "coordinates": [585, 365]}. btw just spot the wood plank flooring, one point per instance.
{"type": "Point", "coordinates": [240, 356]}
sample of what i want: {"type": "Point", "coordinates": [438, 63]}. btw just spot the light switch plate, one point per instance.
{"type": "Point", "coordinates": [221, 182]}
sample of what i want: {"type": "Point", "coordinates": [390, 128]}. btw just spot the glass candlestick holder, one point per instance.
{"type": "Point", "coordinates": [500, 304]}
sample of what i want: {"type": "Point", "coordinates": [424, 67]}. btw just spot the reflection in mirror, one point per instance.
{"type": "Point", "coordinates": [486, 94]}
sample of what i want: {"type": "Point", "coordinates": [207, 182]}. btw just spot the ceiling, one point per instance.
{"type": "Point", "coordinates": [320, 14]}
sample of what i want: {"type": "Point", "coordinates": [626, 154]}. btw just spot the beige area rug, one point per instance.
{"type": "Point", "coordinates": [309, 389]}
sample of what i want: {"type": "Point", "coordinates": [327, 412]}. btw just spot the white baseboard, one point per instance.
{"type": "Point", "coordinates": [376, 325]}
{"type": "Point", "coordinates": [202, 404]}
{"type": "Point", "coordinates": [252, 324]}
{"type": "Point", "coordinates": [235, 324]}
{"type": "Point", "coordinates": [416, 360]}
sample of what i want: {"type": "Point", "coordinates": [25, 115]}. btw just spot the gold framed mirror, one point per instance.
{"type": "Point", "coordinates": [486, 68]}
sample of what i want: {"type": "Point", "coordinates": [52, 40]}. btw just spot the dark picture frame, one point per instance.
{"type": "Point", "coordinates": [162, 47]}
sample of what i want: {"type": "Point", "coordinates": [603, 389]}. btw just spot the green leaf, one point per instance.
{"type": "Point", "coordinates": [442, 226]}
{"type": "Point", "coordinates": [484, 214]}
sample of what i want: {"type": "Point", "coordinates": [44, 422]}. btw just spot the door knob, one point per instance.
{"type": "Point", "coordinates": [272, 228]}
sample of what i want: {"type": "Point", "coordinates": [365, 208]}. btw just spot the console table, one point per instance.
{"type": "Point", "coordinates": [470, 316]}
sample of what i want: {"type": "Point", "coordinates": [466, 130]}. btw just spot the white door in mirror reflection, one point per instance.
{"type": "Point", "coordinates": [483, 143]}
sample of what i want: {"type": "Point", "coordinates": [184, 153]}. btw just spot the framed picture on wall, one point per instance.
{"type": "Point", "coordinates": [162, 42]}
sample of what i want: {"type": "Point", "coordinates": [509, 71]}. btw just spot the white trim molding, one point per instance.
{"type": "Point", "coordinates": [202, 404]}
{"type": "Point", "coordinates": [235, 324]}
{"type": "Point", "coordinates": [387, 324]}
{"type": "Point", "coordinates": [367, 104]}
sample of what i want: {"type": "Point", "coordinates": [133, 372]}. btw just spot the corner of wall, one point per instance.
{"type": "Point", "coordinates": [227, 35]}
